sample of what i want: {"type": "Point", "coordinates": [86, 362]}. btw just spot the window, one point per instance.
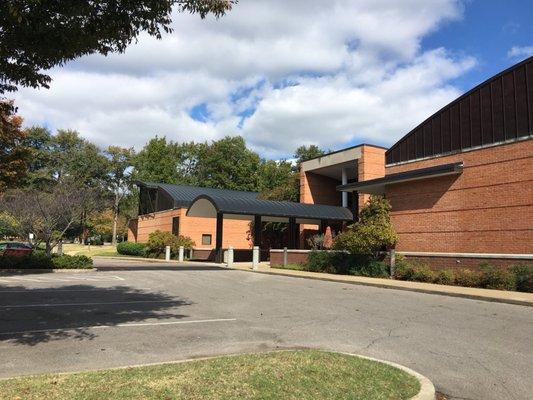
{"type": "Point", "coordinates": [176, 226]}
{"type": "Point", "coordinates": [206, 239]}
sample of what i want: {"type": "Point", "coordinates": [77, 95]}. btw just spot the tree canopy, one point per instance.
{"type": "Point", "coordinates": [38, 35]}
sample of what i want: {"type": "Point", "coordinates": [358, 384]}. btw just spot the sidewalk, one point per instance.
{"type": "Point", "coordinates": [499, 296]}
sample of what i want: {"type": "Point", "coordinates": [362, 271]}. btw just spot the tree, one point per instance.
{"type": "Point", "coordinates": [157, 162]}
{"type": "Point", "coordinates": [38, 35]}
{"type": "Point", "coordinates": [48, 214]}
{"type": "Point", "coordinates": [304, 153]}
{"type": "Point", "coordinates": [228, 164]}
{"type": "Point", "coordinates": [372, 233]}
{"type": "Point", "coordinates": [14, 156]}
{"type": "Point", "coordinates": [8, 225]}
{"type": "Point", "coordinates": [119, 167]}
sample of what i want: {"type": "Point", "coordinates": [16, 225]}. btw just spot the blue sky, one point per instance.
{"type": "Point", "coordinates": [283, 74]}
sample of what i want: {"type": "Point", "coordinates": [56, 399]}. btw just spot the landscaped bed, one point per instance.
{"type": "Point", "coordinates": [39, 260]}
{"type": "Point", "coordinates": [305, 374]}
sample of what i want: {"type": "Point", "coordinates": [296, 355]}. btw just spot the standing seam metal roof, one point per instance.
{"type": "Point", "coordinates": [249, 203]}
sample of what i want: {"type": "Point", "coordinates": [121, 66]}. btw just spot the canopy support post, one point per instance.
{"type": "Point", "coordinates": [219, 233]}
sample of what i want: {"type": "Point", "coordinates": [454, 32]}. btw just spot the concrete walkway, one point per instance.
{"type": "Point", "coordinates": [500, 296]}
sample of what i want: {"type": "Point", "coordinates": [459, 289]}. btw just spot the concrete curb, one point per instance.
{"type": "Point", "coordinates": [48, 271]}
{"type": "Point", "coordinates": [385, 285]}
{"type": "Point", "coordinates": [427, 389]}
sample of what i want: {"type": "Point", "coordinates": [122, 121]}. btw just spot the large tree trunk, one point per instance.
{"type": "Point", "coordinates": [115, 220]}
{"type": "Point", "coordinates": [48, 248]}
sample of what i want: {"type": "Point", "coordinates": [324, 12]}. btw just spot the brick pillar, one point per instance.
{"type": "Point", "coordinates": [371, 165]}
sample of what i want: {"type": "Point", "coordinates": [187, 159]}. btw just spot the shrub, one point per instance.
{"type": "Point", "coordinates": [422, 273]}
{"type": "Point", "coordinates": [158, 241]}
{"type": "Point", "coordinates": [316, 241]}
{"type": "Point", "coordinates": [72, 262]}
{"type": "Point", "coordinates": [321, 261]}
{"type": "Point", "coordinates": [445, 277]}
{"type": "Point", "coordinates": [131, 248]}
{"type": "Point", "coordinates": [523, 275]}
{"type": "Point", "coordinates": [373, 269]}
{"type": "Point", "coordinates": [372, 233]}
{"type": "Point", "coordinates": [496, 278]}
{"type": "Point", "coordinates": [39, 260]}
{"type": "Point", "coordinates": [468, 278]}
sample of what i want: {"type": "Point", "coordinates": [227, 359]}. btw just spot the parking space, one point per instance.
{"type": "Point", "coordinates": [159, 312]}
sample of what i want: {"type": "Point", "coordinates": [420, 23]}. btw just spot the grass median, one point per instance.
{"type": "Point", "coordinates": [301, 375]}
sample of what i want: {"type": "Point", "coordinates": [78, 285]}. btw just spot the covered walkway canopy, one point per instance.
{"type": "Point", "coordinates": [258, 210]}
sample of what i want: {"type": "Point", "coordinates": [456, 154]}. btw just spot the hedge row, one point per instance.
{"type": "Point", "coordinates": [39, 260]}
{"type": "Point", "coordinates": [518, 277]}
{"type": "Point", "coordinates": [156, 245]}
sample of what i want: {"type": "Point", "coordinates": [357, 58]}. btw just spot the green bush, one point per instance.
{"type": "Point", "coordinates": [468, 278]}
{"type": "Point", "coordinates": [372, 233]}
{"type": "Point", "coordinates": [39, 260]}
{"type": "Point", "coordinates": [523, 275]}
{"type": "Point", "coordinates": [321, 261]}
{"type": "Point", "coordinates": [496, 278]}
{"type": "Point", "coordinates": [158, 241]}
{"type": "Point", "coordinates": [373, 269]}
{"type": "Point", "coordinates": [445, 277]}
{"type": "Point", "coordinates": [71, 262]}
{"type": "Point", "coordinates": [131, 249]}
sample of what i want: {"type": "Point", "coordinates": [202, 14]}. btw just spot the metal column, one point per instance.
{"type": "Point", "coordinates": [218, 239]}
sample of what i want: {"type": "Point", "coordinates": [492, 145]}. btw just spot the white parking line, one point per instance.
{"type": "Point", "coordinates": [133, 325]}
{"type": "Point", "coordinates": [54, 279]}
{"type": "Point", "coordinates": [86, 304]}
{"type": "Point", "coordinates": [59, 290]}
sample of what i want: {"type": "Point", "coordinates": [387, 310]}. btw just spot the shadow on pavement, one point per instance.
{"type": "Point", "coordinates": [29, 316]}
{"type": "Point", "coordinates": [159, 267]}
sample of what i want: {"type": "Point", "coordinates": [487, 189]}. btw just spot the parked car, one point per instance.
{"type": "Point", "coordinates": [14, 249]}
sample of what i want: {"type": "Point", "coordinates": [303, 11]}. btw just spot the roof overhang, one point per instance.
{"type": "Point", "coordinates": [377, 186]}
{"type": "Point", "coordinates": [270, 211]}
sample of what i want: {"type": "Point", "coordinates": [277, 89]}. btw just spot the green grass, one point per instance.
{"type": "Point", "coordinates": [298, 375]}
{"type": "Point", "coordinates": [80, 249]}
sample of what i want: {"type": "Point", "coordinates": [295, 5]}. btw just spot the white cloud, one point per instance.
{"type": "Point", "coordinates": [280, 73]}
{"type": "Point", "coordinates": [520, 52]}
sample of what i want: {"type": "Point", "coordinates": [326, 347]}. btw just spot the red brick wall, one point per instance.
{"type": "Point", "coordinates": [235, 231]}
{"type": "Point", "coordinates": [371, 165]}
{"type": "Point", "coordinates": [293, 257]}
{"type": "Point", "coordinates": [319, 189]}
{"type": "Point", "coordinates": [486, 209]}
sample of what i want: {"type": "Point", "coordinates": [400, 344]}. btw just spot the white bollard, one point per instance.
{"type": "Point", "coordinates": [285, 257]}
{"type": "Point", "coordinates": [255, 257]}
{"type": "Point", "coordinates": [230, 257]}
{"type": "Point", "coordinates": [167, 253]}
{"type": "Point", "coordinates": [181, 253]}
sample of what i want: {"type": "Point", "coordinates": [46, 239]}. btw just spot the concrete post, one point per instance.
{"type": "Point", "coordinates": [285, 257]}
{"type": "Point", "coordinates": [392, 263]}
{"type": "Point", "coordinates": [344, 181]}
{"type": "Point", "coordinates": [255, 257]}
{"type": "Point", "coordinates": [230, 257]}
{"type": "Point", "coordinates": [181, 253]}
{"type": "Point", "coordinates": [167, 253]}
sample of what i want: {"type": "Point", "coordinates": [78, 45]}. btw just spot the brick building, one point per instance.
{"type": "Point", "coordinates": [460, 185]}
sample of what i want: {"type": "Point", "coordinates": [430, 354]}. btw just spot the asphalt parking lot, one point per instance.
{"type": "Point", "coordinates": [132, 313]}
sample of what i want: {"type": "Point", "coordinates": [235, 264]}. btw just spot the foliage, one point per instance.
{"type": "Point", "coordinates": [14, 156]}
{"type": "Point", "coordinates": [339, 262]}
{"type": "Point", "coordinates": [278, 181]}
{"type": "Point", "coordinates": [48, 214]}
{"type": "Point", "coordinates": [36, 36]}
{"type": "Point", "coordinates": [8, 225]}
{"type": "Point", "coordinates": [158, 240]}
{"type": "Point", "coordinates": [304, 153]}
{"type": "Point", "coordinates": [445, 277]}
{"type": "Point", "coordinates": [316, 241]}
{"type": "Point", "coordinates": [467, 278]}
{"type": "Point", "coordinates": [496, 278]}
{"type": "Point", "coordinates": [39, 260]}
{"type": "Point", "coordinates": [131, 249]}
{"type": "Point", "coordinates": [523, 277]}
{"type": "Point", "coordinates": [229, 164]}
{"type": "Point", "coordinates": [372, 233]}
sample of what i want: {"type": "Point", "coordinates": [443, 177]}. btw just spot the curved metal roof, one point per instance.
{"type": "Point", "coordinates": [183, 195]}
{"type": "Point", "coordinates": [269, 208]}
{"type": "Point", "coordinates": [498, 110]}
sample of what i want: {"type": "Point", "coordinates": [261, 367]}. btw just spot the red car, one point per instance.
{"type": "Point", "coordinates": [14, 249]}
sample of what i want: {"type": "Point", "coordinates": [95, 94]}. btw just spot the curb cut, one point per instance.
{"type": "Point", "coordinates": [408, 289]}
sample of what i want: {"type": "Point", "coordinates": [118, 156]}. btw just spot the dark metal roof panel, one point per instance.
{"type": "Point", "coordinates": [184, 195]}
{"type": "Point", "coordinates": [498, 110]}
{"type": "Point", "coordinates": [375, 185]}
